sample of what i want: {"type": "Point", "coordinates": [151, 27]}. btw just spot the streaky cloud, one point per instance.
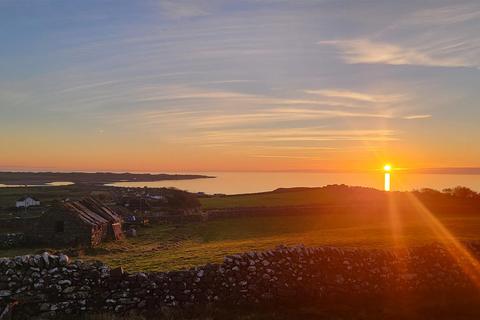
{"type": "Point", "coordinates": [366, 51]}
{"type": "Point", "coordinates": [417, 116]}
{"type": "Point", "coordinates": [355, 95]}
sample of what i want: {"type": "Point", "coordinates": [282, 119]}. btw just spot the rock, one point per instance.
{"type": "Point", "coordinates": [45, 259]}
{"type": "Point", "coordinates": [63, 260]}
{"type": "Point", "coordinates": [65, 282]}
{"type": "Point", "coordinates": [5, 293]}
{"type": "Point", "coordinates": [53, 270]}
{"type": "Point", "coordinates": [141, 276]}
{"type": "Point", "coordinates": [62, 287]}
{"type": "Point", "coordinates": [69, 290]}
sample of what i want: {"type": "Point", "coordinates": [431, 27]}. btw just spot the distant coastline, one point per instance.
{"type": "Point", "coordinates": [91, 178]}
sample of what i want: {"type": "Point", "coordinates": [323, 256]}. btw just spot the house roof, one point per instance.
{"type": "Point", "coordinates": [99, 208]}
{"type": "Point", "coordinates": [88, 216]}
{"type": "Point", "coordinates": [26, 197]}
{"type": "Point", "coordinates": [90, 211]}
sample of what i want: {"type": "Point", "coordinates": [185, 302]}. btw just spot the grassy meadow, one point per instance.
{"type": "Point", "coordinates": [167, 247]}
{"type": "Point", "coordinates": [364, 220]}
{"type": "Point", "coordinates": [289, 197]}
{"type": "Point", "coordinates": [171, 247]}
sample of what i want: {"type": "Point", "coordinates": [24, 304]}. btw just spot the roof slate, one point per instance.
{"type": "Point", "coordinates": [91, 211]}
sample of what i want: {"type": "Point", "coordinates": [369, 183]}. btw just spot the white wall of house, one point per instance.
{"type": "Point", "coordinates": [27, 202]}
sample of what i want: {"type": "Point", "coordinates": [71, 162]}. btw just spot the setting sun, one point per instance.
{"type": "Point", "coordinates": [387, 167]}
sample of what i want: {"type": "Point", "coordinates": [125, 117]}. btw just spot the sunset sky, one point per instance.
{"type": "Point", "coordinates": [154, 85]}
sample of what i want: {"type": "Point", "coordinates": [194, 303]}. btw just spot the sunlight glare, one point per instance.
{"type": "Point", "coordinates": [387, 181]}
{"type": "Point", "coordinates": [387, 168]}
{"type": "Point", "coordinates": [464, 258]}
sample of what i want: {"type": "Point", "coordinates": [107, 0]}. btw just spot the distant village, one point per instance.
{"type": "Point", "coordinates": [98, 217]}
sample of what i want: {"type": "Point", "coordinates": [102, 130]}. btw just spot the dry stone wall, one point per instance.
{"type": "Point", "coordinates": [44, 286]}
{"type": "Point", "coordinates": [10, 240]}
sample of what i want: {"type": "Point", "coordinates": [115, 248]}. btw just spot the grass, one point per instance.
{"type": "Point", "coordinates": [363, 221]}
{"type": "Point", "coordinates": [269, 199]}
{"type": "Point", "coordinates": [327, 195]}
{"type": "Point", "coordinates": [172, 247]}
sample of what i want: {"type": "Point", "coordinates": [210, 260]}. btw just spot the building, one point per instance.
{"type": "Point", "coordinates": [26, 202]}
{"type": "Point", "coordinates": [83, 223]}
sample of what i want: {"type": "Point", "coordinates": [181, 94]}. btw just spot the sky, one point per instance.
{"type": "Point", "coordinates": [247, 85]}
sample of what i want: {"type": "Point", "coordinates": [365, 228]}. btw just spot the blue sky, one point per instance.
{"type": "Point", "coordinates": [238, 85]}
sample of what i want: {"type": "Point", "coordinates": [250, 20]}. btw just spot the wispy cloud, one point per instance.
{"type": "Point", "coordinates": [417, 116]}
{"type": "Point", "coordinates": [331, 113]}
{"type": "Point", "coordinates": [285, 156]}
{"type": "Point", "coordinates": [183, 8]}
{"type": "Point", "coordinates": [366, 51]}
{"type": "Point", "coordinates": [183, 93]}
{"type": "Point", "coordinates": [298, 135]}
{"type": "Point", "coordinates": [211, 119]}
{"type": "Point", "coordinates": [185, 74]}
{"type": "Point", "coordinates": [198, 95]}
{"type": "Point", "coordinates": [445, 15]}
{"type": "Point", "coordinates": [355, 95]}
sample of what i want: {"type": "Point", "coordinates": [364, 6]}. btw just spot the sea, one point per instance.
{"type": "Point", "coordinates": [253, 182]}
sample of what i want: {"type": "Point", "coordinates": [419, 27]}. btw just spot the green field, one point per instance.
{"type": "Point", "coordinates": [176, 247]}
{"type": "Point", "coordinates": [312, 196]}
{"type": "Point", "coordinates": [169, 247]}
{"type": "Point", "coordinates": [345, 217]}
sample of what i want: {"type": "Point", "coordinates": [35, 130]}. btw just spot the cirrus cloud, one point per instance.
{"type": "Point", "coordinates": [357, 51]}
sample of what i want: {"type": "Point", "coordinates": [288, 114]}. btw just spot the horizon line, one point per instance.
{"type": "Point", "coordinates": [432, 170]}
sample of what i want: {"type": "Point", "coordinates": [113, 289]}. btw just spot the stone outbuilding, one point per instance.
{"type": "Point", "coordinates": [84, 223]}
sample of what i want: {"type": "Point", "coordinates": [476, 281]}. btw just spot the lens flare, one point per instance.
{"type": "Point", "coordinates": [464, 258]}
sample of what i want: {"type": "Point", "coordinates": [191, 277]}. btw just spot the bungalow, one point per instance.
{"type": "Point", "coordinates": [85, 223]}
{"type": "Point", "coordinates": [27, 201]}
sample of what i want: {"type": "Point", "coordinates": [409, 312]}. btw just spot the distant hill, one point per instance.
{"type": "Point", "coordinates": [347, 197]}
{"type": "Point", "coordinates": [97, 178]}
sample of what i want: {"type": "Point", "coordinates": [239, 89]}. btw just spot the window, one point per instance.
{"type": "Point", "coordinates": [59, 226]}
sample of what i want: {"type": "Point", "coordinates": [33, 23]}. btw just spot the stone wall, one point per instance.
{"type": "Point", "coordinates": [46, 285]}
{"type": "Point", "coordinates": [10, 240]}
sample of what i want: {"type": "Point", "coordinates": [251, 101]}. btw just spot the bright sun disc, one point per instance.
{"type": "Point", "coordinates": [387, 167]}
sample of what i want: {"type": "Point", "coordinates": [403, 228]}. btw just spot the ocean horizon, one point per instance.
{"type": "Point", "coordinates": [253, 182]}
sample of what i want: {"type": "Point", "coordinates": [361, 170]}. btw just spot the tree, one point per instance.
{"type": "Point", "coordinates": [463, 192]}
